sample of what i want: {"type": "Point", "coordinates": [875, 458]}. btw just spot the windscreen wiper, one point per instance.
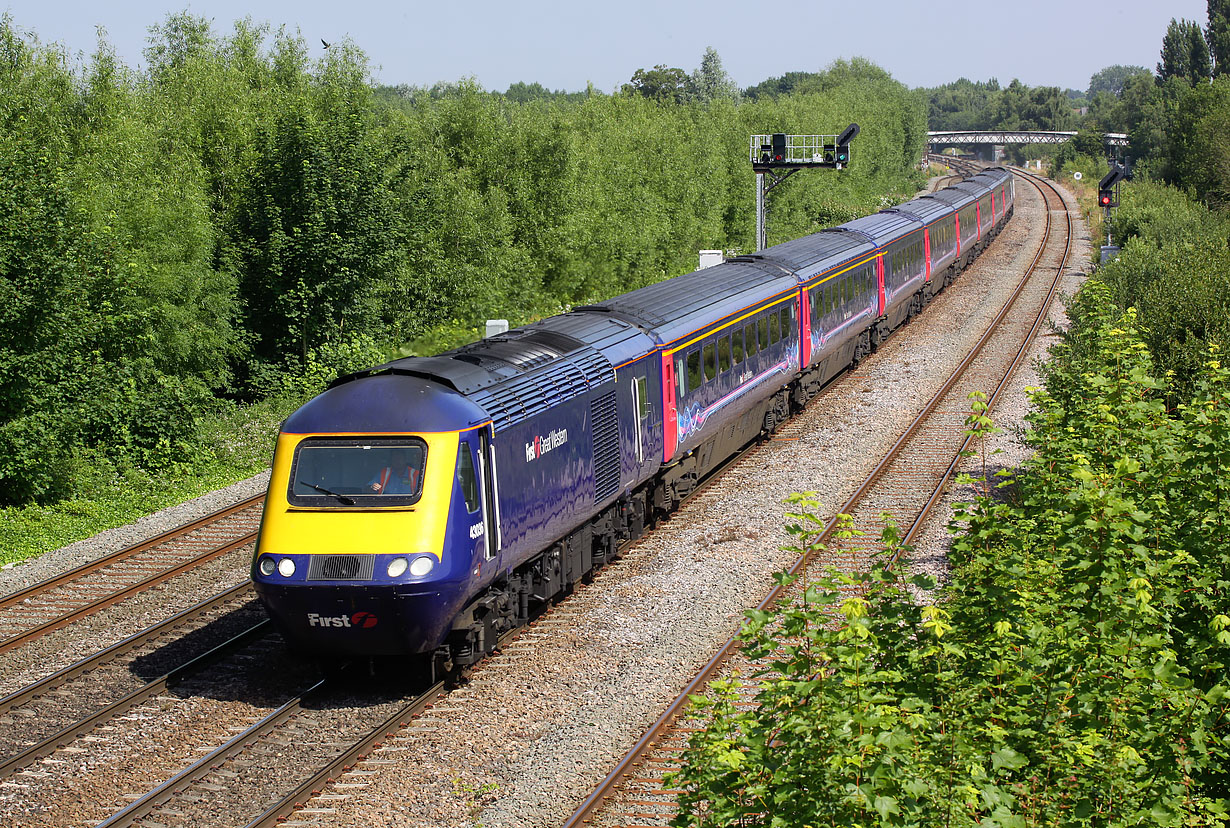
{"type": "Point", "coordinates": [341, 497]}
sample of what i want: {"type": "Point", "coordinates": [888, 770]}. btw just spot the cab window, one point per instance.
{"type": "Point", "coordinates": [337, 473]}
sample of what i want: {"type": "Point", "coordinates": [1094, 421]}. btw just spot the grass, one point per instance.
{"type": "Point", "coordinates": [232, 447]}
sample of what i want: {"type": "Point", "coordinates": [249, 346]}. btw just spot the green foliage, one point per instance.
{"type": "Point", "coordinates": [1175, 269]}
{"type": "Point", "coordinates": [521, 93]}
{"type": "Point", "coordinates": [1114, 79]}
{"type": "Point", "coordinates": [229, 446]}
{"type": "Point", "coordinates": [1185, 53]}
{"type": "Point", "coordinates": [1200, 156]}
{"type": "Point", "coordinates": [1072, 673]}
{"type": "Point", "coordinates": [1219, 36]}
{"type": "Point", "coordinates": [668, 85]}
{"type": "Point", "coordinates": [710, 82]}
{"type": "Point", "coordinates": [964, 105]}
{"type": "Point", "coordinates": [237, 220]}
{"type": "Point", "coordinates": [1086, 154]}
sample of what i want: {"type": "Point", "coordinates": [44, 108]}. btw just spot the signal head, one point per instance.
{"type": "Point", "coordinates": [779, 146]}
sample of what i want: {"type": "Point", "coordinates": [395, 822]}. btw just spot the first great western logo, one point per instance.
{"type": "Point", "coordinates": [541, 444]}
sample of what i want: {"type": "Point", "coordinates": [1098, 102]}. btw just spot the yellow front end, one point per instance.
{"type": "Point", "coordinates": [350, 577]}
{"type": "Point", "coordinates": [397, 530]}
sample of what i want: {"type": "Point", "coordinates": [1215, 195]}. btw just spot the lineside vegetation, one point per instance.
{"type": "Point", "coordinates": [235, 223]}
{"type": "Point", "coordinates": [1072, 671]}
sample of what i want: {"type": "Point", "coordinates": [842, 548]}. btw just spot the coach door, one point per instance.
{"type": "Point", "coordinates": [491, 505]}
{"type": "Point", "coordinates": [640, 405]}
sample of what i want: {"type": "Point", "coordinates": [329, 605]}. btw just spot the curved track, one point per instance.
{"type": "Point", "coordinates": [906, 484]}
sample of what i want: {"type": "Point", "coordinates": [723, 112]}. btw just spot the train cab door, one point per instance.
{"type": "Point", "coordinates": [488, 480]}
{"type": "Point", "coordinates": [470, 487]}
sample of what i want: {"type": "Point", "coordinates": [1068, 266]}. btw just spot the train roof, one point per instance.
{"type": "Point", "coordinates": [511, 376]}
{"type": "Point", "coordinates": [975, 188]}
{"type": "Point", "coordinates": [619, 340]}
{"type": "Point", "coordinates": [956, 199]}
{"type": "Point", "coordinates": [923, 208]}
{"type": "Point", "coordinates": [676, 307]}
{"type": "Point", "coordinates": [885, 227]}
{"type": "Point", "coordinates": [386, 403]}
{"type": "Point", "coordinates": [814, 254]}
{"type": "Point", "coordinates": [995, 173]}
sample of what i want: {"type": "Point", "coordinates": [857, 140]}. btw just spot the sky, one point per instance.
{"type": "Point", "coordinates": [570, 45]}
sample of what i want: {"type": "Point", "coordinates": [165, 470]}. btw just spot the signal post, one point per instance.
{"type": "Point", "coordinates": [1108, 198]}
{"type": "Point", "coordinates": [773, 154]}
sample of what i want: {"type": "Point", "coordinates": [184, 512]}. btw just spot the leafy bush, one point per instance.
{"type": "Point", "coordinates": [1175, 270]}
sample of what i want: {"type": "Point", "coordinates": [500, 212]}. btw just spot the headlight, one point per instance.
{"type": "Point", "coordinates": [287, 567]}
{"type": "Point", "coordinates": [397, 567]}
{"type": "Point", "coordinates": [267, 565]}
{"type": "Point", "coordinates": [422, 565]}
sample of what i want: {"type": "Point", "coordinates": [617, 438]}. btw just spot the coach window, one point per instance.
{"type": "Point", "coordinates": [694, 375]}
{"type": "Point", "coordinates": [787, 320]}
{"type": "Point", "coordinates": [710, 362]}
{"type": "Point", "coordinates": [749, 336]}
{"type": "Point", "coordinates": [736, 346]}
{"type": "Point", "coordinates": [681, 376]}
{"type": "Point", "coordinates": [762, 332]}
{"type": "Point", "coordinates": [723, 355]}
{"type": "Point", "coordinates": [775, 328]}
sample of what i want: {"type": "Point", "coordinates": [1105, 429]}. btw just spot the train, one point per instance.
{"type": "Point", "coordinates": [422, 508]}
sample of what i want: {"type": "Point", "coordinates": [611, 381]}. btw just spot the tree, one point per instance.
{"type": "Point", "coordinates": [785, 85]}
{"type": "Point", "coordinates": [710, 81]}
{"type": "Point", "coordinates": [525, 92]}
{"type": "Point", "coordinates": [660, 84]}
{"type": "Point", "coordinates": [1185, 53]}
{"type": "Point", "coordinates": [1219, 35]}
{"type": "Point", "coordinates": [1199, 151]}
{"type": "Point", "coordinates": [1202, 61]}
{"type": "Point", "coordinates": [1112, 79]}
{"type": "Point", "coordinates": [963, 104]}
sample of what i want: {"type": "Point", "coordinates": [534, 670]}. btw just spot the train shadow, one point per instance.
{"type": "Point", "coordinates": [238, 658]}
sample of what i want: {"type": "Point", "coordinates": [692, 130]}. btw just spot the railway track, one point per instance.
{"type": "Point", "coordinates": [57, 602]}
{"type": "Point", "coordinates": [265, 773]}
{"type": "Point", "coordinates": [60, 708]}
{"type": "Point", "coordinates": [906, 484]}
